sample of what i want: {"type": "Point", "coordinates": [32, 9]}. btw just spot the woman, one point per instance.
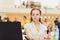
{"type": "Point", "coordinates": [49, 31]}
{"type": "Point", "coordinates": [46, 23]}
{"type": "Point", "coordinates": [35, 30]}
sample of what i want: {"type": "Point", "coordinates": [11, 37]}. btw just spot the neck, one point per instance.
{"type": "Point", "coordinates": [37, 23]}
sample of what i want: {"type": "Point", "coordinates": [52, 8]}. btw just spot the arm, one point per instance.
{"type": "Point", "coordinates": [28, 33]}
{"type": "Point", "coordinates": [29, 36]}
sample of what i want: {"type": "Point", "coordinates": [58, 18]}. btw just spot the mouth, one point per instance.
{"type": "Point", "coordinates": [35, 18]}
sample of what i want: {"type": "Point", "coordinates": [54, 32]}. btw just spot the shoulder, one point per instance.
{"type": "Point", "coordinates": [27, 25]}
{"type": "Point", "coordinates": [44, 27]}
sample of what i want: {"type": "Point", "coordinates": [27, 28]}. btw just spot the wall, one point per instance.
{"type": "Point", "coordinates": [9, 6]}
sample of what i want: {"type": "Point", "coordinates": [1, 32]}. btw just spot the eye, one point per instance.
{"type": "Point", "coordinates": [37, 14]}
{"type": "Point", "coordinates": [33, 14]}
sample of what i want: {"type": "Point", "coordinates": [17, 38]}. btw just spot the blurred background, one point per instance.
{"type": "Point", "coordinates": [17, 9]}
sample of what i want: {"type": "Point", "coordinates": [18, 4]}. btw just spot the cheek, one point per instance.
{"type": "Point", "coordinates": [38, 17]}
{"type": "Point", "coordinates": [35, 17]}
{"type": "Point", "coordinates": [32, 17]}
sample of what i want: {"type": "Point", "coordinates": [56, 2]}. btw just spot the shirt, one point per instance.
{"type": "Point", "coordinates": [33, 30]}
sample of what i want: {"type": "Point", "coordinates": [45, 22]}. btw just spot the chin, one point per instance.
{"type": "Point", "coordinates": [35, 21]}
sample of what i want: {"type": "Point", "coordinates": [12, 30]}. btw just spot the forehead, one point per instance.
{"type": "Point", "coordinates": [35, 12]}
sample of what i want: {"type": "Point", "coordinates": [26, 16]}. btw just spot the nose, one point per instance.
{"type": "Point", "coordinates": [35, 15]}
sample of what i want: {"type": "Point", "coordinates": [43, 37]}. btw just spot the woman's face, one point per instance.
{"type": "Point", "coordinates": [49, 26]}
{"type": "Point", "coordinates": [35, 15]}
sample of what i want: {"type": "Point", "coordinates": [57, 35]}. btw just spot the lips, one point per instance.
{"type": "Point", "coordinates": [35, 18]}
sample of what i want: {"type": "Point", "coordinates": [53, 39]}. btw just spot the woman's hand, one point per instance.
{"type": "Point", "coordinates": [47, 37]}
{"type": "Point", "coordinates": [36, 38]}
